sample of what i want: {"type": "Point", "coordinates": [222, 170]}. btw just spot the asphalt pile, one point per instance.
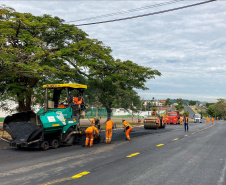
{"type": "Point", "coordinates": [22, 130]}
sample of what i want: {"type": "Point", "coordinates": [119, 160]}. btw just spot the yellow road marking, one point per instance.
{"type": "Point", "coordinates": [67, 179]}
{"type": "Point", "coordinates": [131, 155]}
{"type": "Point", "coordinates": [175, 139]}
{"type": "Point", "coordinates": [159, 145]}
{"type": "Point", "coordinates": [185, 135]}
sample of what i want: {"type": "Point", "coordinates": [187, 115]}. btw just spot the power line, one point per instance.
{"type": "Point", "coordinates": [127, 11]}
{"type": "Point", "coordinates": [143, 15]}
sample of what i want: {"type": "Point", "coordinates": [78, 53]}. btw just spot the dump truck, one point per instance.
{"type": "Point", "coordinates": [154, 122]}
{"type": "Point", "coordinates": [51, 126]}
{"type": "Point", "coordinates": [173, 117]}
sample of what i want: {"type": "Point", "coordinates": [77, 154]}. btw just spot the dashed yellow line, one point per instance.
{"type": "Point", "coordinates": [67, 179]}
{"type": "Point", "coordinates": [185, 135]}
{"type": "Point", "coordinates": [159, 145]}
{"type": "Point", "coordinates": [175, 139]}
{"type": "Point", "coordinates": [131, 155]}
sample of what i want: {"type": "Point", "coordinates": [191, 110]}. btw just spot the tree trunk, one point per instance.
{"type": "Point", "coordinates": [24, 101]}
{"type": "Point", "coordinates": [24, 105]}
{"type": "Point", "coordinates": [109, 112]}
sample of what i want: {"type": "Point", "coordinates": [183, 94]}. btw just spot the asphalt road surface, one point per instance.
{"type": "Point", "coordinates": [166, 156]}
{"type": "Point", "coordinates": [191, 112]}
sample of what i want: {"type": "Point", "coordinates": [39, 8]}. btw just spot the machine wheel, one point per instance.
{"type": "Point", "coordinates": [54, 143]}
{"type": "Point", "coordinates": [19, 147]}
{"type": "Point", "coordinates": [45, 145]}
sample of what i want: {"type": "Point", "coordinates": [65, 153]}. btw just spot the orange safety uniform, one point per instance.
{"type": "Point", "coordinates": [77, 101]}
{"type": "Point", "coordinates": [207, 120]}
{"type": "Point", "coordinates": [181, 120]}
{"type": "Point", "coordinates": [157, 120]}
{"type": "Point", "coordinates": [90, 131]}
{"type": "Point", "coordinates": [128, 128]}
{"type": "Point", "coordinates": [212, 120]}
{"type": "Point", "coordinates": [93, 121]}
{"type": "Point", "coordinates": [108, 132]}
{"type": "Point", "coordinates": [61, 106]}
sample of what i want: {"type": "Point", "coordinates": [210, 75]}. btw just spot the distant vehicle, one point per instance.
{"type": "Point", "coordinates": [151, 122]}
{"type": "Point", "coordinates": [173, 117]}
{"type": "Point", "coordinates": [197, 118]}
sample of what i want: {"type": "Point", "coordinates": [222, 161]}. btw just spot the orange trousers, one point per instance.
{"type": "Point", "coordinates": [108, 135]}
{"type": "Point", "coordinates": [127, 133]}
{"type": "Point", "coordinates": [207, 121]}
{"type": "Point", "coordinates": [89, 139]}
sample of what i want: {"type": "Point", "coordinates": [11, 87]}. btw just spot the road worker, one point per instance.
{"type": "Point", "coordinates": [90, 132]}
{"type": "Point", "coordinates": [212, 120]}
{"type": "Point", "coordinates": [61, 106]}
{"type": "Point", "coordinates": [95, 122]}
{"type": "Point", "coordinates": [78, 100]}
{"type": "Point", "coordinates": [157, 120]}
{"type": "Point", "coordinates": [154, 112]}
{"type": "Point", "coordinates": [128, 129]}
{"type": "Point", "coordinates": [207, 120]}
{"type": "Point", "coordinates": [185, 123]}
{"type": "Point", "coordinates": [181, 120]}
{"type": "Point", "coordinates": [108, 132]}
{"type": "Point", "coordinates": [164, 119]}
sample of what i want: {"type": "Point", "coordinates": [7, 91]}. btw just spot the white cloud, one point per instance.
{"type": "Point", "coordinates": [187, 46]}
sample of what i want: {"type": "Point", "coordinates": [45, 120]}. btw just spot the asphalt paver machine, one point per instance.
{"type": "Point", "coordinates": [51, 126]}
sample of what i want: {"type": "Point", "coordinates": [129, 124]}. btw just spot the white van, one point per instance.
{"type": "Point", "coordinates": [197, 118]}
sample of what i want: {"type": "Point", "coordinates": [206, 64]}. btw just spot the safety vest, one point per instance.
{"type": "Point", "coordinates": [109, 124]}
{"type": "Point", "coordinates": [126, 124]}
{"type": "Point", "coordinates": [77, 101]}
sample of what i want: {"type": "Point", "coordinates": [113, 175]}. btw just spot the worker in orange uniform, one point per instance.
{"type": "Point", "coordinates": [61, 106]}
{"type": "Point", "coordinates": [128, 129]}
{"type": "Point", "coordinates": [95, 122]}
{"type": "Point", "coordinates": [108, 132]}
{"type": "Point", "coordinates": [154, 112]}
{"type": "Point", "coordinates": [207, 120]}
{"type": "Point", "coordinates": [212, 120]}
{"type": "Point", "coordinates": [78, 100]}
{"type": "Point", "coordinates": [185, 123]}
{"type": "Point", "coordinates": [90, 132]}
{"type": "Point", "coordinates": [181, 120]}
{"type": "Point", "coordinates": [157, 120]}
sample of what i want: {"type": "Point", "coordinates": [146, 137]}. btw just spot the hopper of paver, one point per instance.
{"type": "Point", "coordinates": [25, 128]}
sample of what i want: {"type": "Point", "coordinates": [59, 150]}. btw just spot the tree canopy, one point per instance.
{"type": "Point", "coordinates": [43, 49]}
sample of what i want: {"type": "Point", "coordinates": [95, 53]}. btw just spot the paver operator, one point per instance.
{"type": "Point", "coordinates": [78, 100]}
{"type": "Point", "coordinates": [90, 132]}
{"type": "Point", "coordinates": [128, 129]}
{"type": "Point", "coordinates": [108, 132]}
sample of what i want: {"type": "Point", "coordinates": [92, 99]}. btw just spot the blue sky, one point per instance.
{"type": "Point", "coordinates": [187, 46]}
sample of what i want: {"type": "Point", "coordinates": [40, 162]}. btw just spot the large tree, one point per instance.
{"type": "Point", "coordinates": [40, 48]}
{"type": "Point", "coordinates": [43, 49]}
{"type": "Point", "coordinates": [114, 79]}
{"type": "Point", "coordinates": [179, 105]}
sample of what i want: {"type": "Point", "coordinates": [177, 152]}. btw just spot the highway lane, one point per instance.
{"type": "Point", "coordinates": [191, 112]}
{"type": "Point", "coordinates": [194, 157]}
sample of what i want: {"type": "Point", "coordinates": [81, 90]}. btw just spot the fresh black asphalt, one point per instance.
{"type": "Point", "coordinates": [193, 157]}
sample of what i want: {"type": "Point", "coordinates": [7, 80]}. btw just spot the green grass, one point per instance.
{"type": "Point", "coordinates": [2, 119]}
